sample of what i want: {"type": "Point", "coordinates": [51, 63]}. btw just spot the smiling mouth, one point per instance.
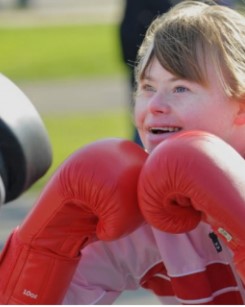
{"type": "Point", "coordinates": [162, 130]}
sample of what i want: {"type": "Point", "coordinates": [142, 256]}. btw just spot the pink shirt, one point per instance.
{"type": "Point", "coordinates": [180, 269]}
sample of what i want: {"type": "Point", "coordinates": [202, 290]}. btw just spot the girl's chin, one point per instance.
{"type": "Point", "coordinates": [150, 148]}
{"type": "Point", "coordinates": [151, 141]}
{"type": "Point", "coordinates": [150, 145]}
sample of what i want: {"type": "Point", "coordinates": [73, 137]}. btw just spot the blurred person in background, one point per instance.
{"type": "Point", "coordinates": [137, 16]}
{"type": "Point", "coordinates": [229, 3]}
{"type": "Point", "coordinates": [23, 3]}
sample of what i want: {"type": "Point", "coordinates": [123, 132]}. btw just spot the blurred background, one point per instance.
{"type": "Point", "coordinates": [65, 56]}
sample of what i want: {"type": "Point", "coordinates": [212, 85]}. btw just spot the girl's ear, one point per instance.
{"type": "Point", "coordinates": [240, 117]}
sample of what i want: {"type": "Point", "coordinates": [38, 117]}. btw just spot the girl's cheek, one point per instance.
{"type": "Point", "coordinates": [139, 111]}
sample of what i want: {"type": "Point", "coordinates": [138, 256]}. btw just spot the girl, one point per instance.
{"type": "Point", "coordinates": [190, 75]}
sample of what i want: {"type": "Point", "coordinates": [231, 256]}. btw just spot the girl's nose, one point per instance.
{"type": "Point", "coordinates": [158, 104]}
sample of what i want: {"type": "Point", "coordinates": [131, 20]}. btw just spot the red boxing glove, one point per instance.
{"type": "Point", "coordinates": [93, 195]}
{"type": "Point", "coordinates": [192, 176]}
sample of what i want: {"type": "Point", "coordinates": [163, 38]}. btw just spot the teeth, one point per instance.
{"type": "Point", "coordinates": [163, 129]}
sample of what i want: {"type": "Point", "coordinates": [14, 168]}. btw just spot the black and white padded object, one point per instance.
{"type": "Point", "coordinates": [25, 149]}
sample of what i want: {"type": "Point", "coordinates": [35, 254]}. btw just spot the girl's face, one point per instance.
{"type": "Point", "coordinates": [166, 104]}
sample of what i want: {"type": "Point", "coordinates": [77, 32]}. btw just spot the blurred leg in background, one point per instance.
{"type": "Point", "coordinates": [23, 3]}
{"type": "Point", "coordinates": [137, 16]}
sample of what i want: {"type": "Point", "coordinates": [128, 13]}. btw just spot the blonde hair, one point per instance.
{"type": "Point", "coordinates": [191, 33]}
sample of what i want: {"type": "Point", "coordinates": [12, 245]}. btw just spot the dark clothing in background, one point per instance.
{"type": "Point", "coordinates": [138, 15]}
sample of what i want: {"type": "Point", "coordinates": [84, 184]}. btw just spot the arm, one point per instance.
{"type": "Point", "coordinates": [196, 176]}
{"type": "Point", "coordinates": [91, 196]}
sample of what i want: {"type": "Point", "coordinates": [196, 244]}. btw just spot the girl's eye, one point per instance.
{"type": "Point", "coordinates": [147, 88]}
{"type": "Point", "coordinates": [180, 89]}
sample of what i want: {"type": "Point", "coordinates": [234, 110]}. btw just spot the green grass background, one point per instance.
{"type": "Point", "coordinates": [68, 133]}
{"type": "Point", "coordinates": [66, 52]}
{"type": "Point", "coordinates": [55, 52]}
